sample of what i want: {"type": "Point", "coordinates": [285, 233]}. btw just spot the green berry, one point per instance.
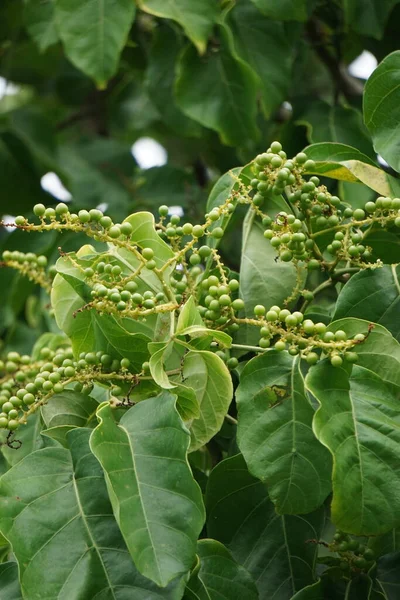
{"type": "Point", "coordinates": [106, 222]}
{"type": "Point", "coordinates": [114, 232]}
{"type": "Point", "coordinates": [340, 335]}
{"type": "Point", "coordinates": [336, 360]}
{"type": "Point", "coordinates": [126, 228]}
{"type": "Point", "coordinates": [198, 231]}
{"type": "Point", "coordinates": [358, 214]}
{"type": "Point", "coordinates": [163, 210]}
{"type": "Point", "coordinates": [264, 343]}
{"type": "Point", "coordinates": [13, 425]}
{"type": "Point", "coordinates": [125, 362]}
{"type": "Point", "coordinates": [238, 304]}
{"type": "Point", "coordinates": [272, 315]}
{"type": "Point", "coordinates": [291, 321]}
{"type": "Point", "coordinates": [351, 357]}
{"type": "Point", "coordinates": [84, 216]}
{"type": "Point", "coordinates": [370, 207]}
{"type": "Point", "coordinates": [232, 363]}
{"type": "Point", "coordinates": [280, 346]}
{"type": "Point", "coordinates": [151, 265]}
{"type": "Point", "coordinates": [312, 358]}
{"type": "Point", "coordinates": [217, 233]}
{"type": "Point", "coordinates": [39, 210]}
{"type": "Point", "coordinates": [233, 285]}
{"type": "Point", "coordinates": [259, 310]}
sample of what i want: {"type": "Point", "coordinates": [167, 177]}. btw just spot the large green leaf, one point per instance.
{"type": "Point", "coordinates": [156, 501]}
{"type": "Point", "coordinates": [326, 123]}
{"type": "Point", "coordinates": [196, 18]}
{"type": "Point", "coordinates": [373, 295]}
{"type": "Point", "coordinates": [55, 511]}
{"type": "Point", "coordinates": [39, 22]}
{"type": "Point", "coordinates": [9, 584]}
{"type": "Point", "coordinates": [368, 19]}
{"type": "Point", "coordinates": [274, 549]}
{"type": "Point", "coordinates": [262, 280]}
{"type": "Point", "coordinates": [345, 163]}
{"type": "Point", "coordinates": [210, 379]}
{"type": "Point", "coordinates": [284, 10]}
{"type": "Point", "coordinates": [275, 434]}
{"type": "Point", "coordinates": [160, 79]}
{"type": "Point", "coordinates": [219, 576]}
{"type": "Point", "coordinates": [264, 45]}
{"type": "Point", "coordinates": [381, 108]}
{"type": "Point", "coordinates": [219, 91]}
{"type": "Point", "coordinates": [358, 420]}
{"type": "Point", "coordinates": [93, 33]}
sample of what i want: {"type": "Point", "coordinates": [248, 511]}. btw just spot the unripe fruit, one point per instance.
{"type": "Point", "coordinates": [114, 232]}
{"type": "Point", "coordinates": [336, 360]}
{"type": "Point", "coordinates": [238, 304]}
{"type": "Point", "coordinates": [259, 310]}
{"type": "Point", "coordinates": [126, 228]}
{"type": "Point", "coordinates": [312, 358]}
{"type": "Point", "coordinates": [198, 231]}
{"type": "Point", "coordinates": [39, 210]}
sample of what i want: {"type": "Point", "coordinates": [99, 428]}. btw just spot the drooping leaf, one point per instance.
{"type": "Point", "coordinates": [210, 379]}
{"type": "Point", "coordinates": [160, 351]}
{"type": "Point", "coordinates": [275, 434]}
{"type": "Point", "coordinates": [373, 295]}
{"type": "Point", "coordinates": [345, 163]}
{"type": "Point", "coordinates": [55, 510]}
{"type": "Point", "coordinates": [285, 10]}
{"type": "Point", "coordinates": [39, 22]}
{"type": "Point", "coordinates": [93, 33]}
{"type": "Point", "coordinates": [219, 576]}
{"type": "Point", "coordinates": [9, 584]}
{"type": "Point", "coordinates": [358, 420]}
{"type": "Point", "coordinates": [381, 108]}
{"type": "Point", "coordinates": [219, 91]}
{"type": "Point", "coordinates": [156, 502]}
{"type": "Point", "coordinates": [264, 45]}
{"type": "Point", "coordinates": [196, 18]}
{"type": "Point", "coordinates": [276, 550]}
{"type": "Point", "coordinates": [67, 411]}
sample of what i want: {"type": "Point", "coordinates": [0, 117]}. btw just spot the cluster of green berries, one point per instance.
{"type": "Point", "coordinates": [298, 335]}
{"type": "Point", "coordinates": [31, 265]}
{"type": "Point", "coordinates": [217, 304]}
{"type": "Point", "coordinates": [350, 247]}
{"type": "Point", "coordinates": [353, 554]}
{"type": "Point", "coordinates": [314, 200]}
{"type": "Point", "coordinates": [273, 172]}
{"type": "Point", "coordinates": [286, 236]}
{"type": "Point", "coordinates": [230, 361]}
{"type": "Point", "coordinates": [95, 218]}
{"type": "Point", "coordinates": [26, 382]}
{"type": "Point", "coordinates": [174, 229]}
{"type": "Point", "coordinates": [382, 207]}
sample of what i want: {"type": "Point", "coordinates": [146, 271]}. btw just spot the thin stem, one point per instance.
{"type": "Point", "coordinates": [249, 348]}
{"type": "Point", "coordinates": [231, 419]}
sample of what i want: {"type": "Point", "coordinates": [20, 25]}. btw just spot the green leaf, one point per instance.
{"type": "Point", "coordinates": [39, 22]}
{"type": "Point", "coordinates": [275, 434]}
{"type": "Point", "coordinates": [155, 499]}
{"type": "Point", "coordinates": [160, 80]}
{"type": "Point", "coordinates": [274, 549]}
{"type": "Point", "coordinates": [219, 576]}
{"type": "Point", "coordinates": [373, 295]}
{"type": "Point", "coordinates": [340, 124]}
{"type": "Point", "coordinates": [28, 435]}
{"type": "Point", "coordinates": [210, 379]}
{"type": "Point", "coordinates": [381, 108]}
{"type": "Point", "coordinates": [388, 575]}
{"type": "Point", "coordinates": [284, 10]}
{"type": "Point", "coordinates": [9, 584]}
{"type": "Point", "coordinates": [311, 592]}
{"type": "Point", "coordinates": [48, 340]}
{"type": "Point", "coordinates": [264, 45]}
{"type": "Point", "coordinates": [189, 316]}
{"type": "Point", "coordinates": [196, 18]}
{"type": "Point", "coordinates": [262, 280]}
{"type": "Point", "coordinates": [160, 351]}
{"type": "Point", "coordinates": [345, 163]}
{"type": "Point", "coordinates": [187, 404]}
{"type": "Point", "coordinates": [67, 411]}
{"type": "Point", "coordinates": [368, 19]}
{"type": "Point", "coordinates": [358, 421]}
{"type": "Point", "coordinates": [144, 234]}
{"type": "Point", "coordinates": [198, 331]}
{"type": "Point", "coordinates": [380, 352]}
{"type": "Point", "coordinates": [93, 33]}
{"type": "Point", "coordinates": [219, 91]}
{"type": "Point", "coordinates": [55, 511]}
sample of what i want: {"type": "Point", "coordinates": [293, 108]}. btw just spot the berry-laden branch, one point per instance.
{"type": "Point", "coordinates": [154, 284]}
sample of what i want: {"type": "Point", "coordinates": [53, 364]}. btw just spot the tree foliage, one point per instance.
{"type": "Point", "coordinates": [201, 406]}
